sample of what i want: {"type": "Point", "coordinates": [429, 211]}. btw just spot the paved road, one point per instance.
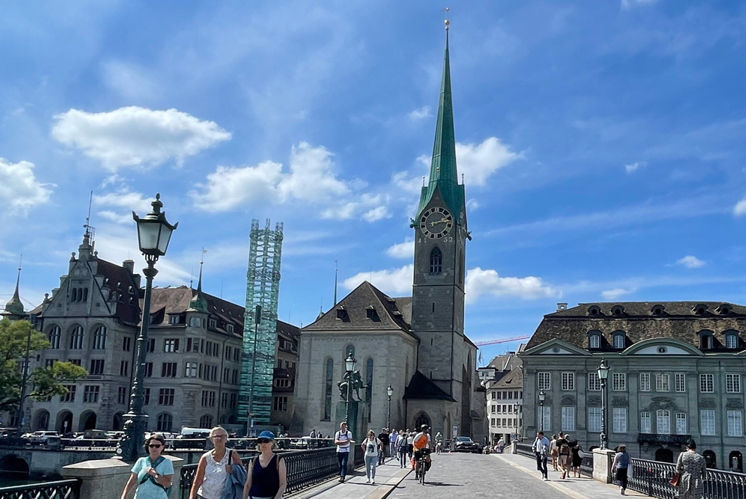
{"type": "Point", "coordinates": [473, 475]}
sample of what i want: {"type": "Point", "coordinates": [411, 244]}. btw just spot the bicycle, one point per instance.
{"type": "Point", "coordinates": [420, 468]}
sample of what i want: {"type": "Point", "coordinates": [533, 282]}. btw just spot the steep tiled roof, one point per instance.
{"type": "Point", "coordinates": [175, 300]}
{"type": "Point", "coordinates": [121, 280]}
{"type": "Point", "coordinates": [512, 379]}
{"type": "Point", "coordinates": [421, 387]}
{"type": "Point", "coordinates": [640, 321]}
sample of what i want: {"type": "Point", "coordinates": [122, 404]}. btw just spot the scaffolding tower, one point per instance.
{"type": "Point", "coordinates": [262, 290]}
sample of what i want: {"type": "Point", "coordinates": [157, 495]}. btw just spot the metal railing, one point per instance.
{"type": "Point", "coordinates": [586, 465]}
{"type": "Point", "coordinates": [61, 489]}
{"type": "Point", "coordinates": [652, 478]}
{"type": "Point", "coordinates": [524, 450]}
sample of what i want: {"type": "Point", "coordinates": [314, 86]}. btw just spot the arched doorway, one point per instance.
{"type": "Point", "coordinates": [118, 422]}
{"type": "Point", "coordinates": [40, 420]}
{"type": "Point", "coordinates": [664, 455]}
{"type": "Point", "coordinates": [735, 459]}
{"type": "Point", "coordinates": [87, 421]}
{"type": "Point", "coordinates": [420, 419]}
{"type": "Point", "coordinates": [64, 422]}
{"type": "Point", "coordinates": [710, 459]}
{"type": "Point", "coordinates": [13, 467]}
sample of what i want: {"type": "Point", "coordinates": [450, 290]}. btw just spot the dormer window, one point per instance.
{"type": "Point", "coordinates": [212, 323]}
{"type": "Point", "coordinates": [617, 310]}
{"type": "Point", "coordinates": [594, 340]}
{"type": "Point", "coordinates": [594, 310]}
{"type": "Point", "coordinates": [342, 315]}
{"type": "Point", "coordinates": [706, 340]}
{"type": "Point", "coordinates": [371, 313]}
{"type": "Point", "coordinates": [173, 319]}
{"type": "Point", "coordinates": [700, 309]}
{"type": "Point", "coordinates": [620, 339]}
{"type": "Point", "coordinates": [657, 310]}
{"type": "Point", "coordinates": [724, 309]}
{"type": "Point", "coordinates": [229, 328]}
{"type": "Point", "coordinates": [732, 340]}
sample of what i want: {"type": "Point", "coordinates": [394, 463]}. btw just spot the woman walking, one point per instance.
{"type": "Point", "coordinates": [402, 443]}
{"type": "Point", "coordinates": [576, 459]}
{"type": "Point", "coordinates": [553, 451]}
{"type": "Point", "coordinates": [214, 467]}
{"type": "Point", "coordinates": [619, 466]}
{"type": "Point", "coordinates": [565, 455]}
{"type": "Point", "coordinates": [151, 474]}
{"type": "Point", "coordinates": [267, 478]}
{"type": "Point", "coordinates": [372, 448]}
{"type": "Point", "coordinates": [693, 471]}
{"type": "Point", "coordinates": [410, 445]}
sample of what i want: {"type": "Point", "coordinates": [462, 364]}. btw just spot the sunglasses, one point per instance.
{"type": "Point", "coordinates": [263, 441]}
{"type": "Point", "coordinates": [152, 446]}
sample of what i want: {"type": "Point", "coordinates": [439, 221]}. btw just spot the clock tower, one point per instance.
{"type": "Point", "coordinates": [440, 234]}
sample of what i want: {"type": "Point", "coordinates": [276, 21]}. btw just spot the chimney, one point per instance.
{"type": "Point", "coordinates": [561, 306]}
{"type": "Point", "coordinates": [129, 265]}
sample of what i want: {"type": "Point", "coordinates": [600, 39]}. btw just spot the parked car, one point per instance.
{"type": "Point", "coordinates": [301, 443]}
{"type": "Point", "coordinates": [41, 437]}
{"type": "Point", "coordinates": [466, 444]}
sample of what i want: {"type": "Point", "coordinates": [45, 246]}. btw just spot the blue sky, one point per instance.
{"type": "Point", "coordinates": [601, 142]}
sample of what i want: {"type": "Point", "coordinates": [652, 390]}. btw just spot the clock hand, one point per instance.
{"type": "Point", "coordinates": [441, 221]}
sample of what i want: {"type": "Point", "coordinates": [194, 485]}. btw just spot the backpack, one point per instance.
{"type": "Point", "coordinates": [565, 449]}
{"type": "Point", "coordinates": [154, 465]}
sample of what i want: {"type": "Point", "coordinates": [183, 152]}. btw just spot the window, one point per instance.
{"type": "Point", "coordinates": [662, 383]}
{"type": "Point", "coordinates": [706, 340]}
{"type": "Point", "coordinates": [124, 368]}
{"type": "Point", "coordinates": [681, 427]}
{"type": "Point", "coordinates": [49, 362]}
{"type": "Point", "coordinates": [547, 417]}
{"type": "Point", "coordinates": [731, 340]}
{"type": "Point", "coordinates": [97, 367]}
{"type": "Point", "coordinates": [568, 381]}
{"type": "Point", "coordinates": [70, 395]}
{"type": "Point", "coordinates": [594, 382]}
{"type": "Point", "coordinates": [208, 398]}
{"type": "Point", "coordinates": [212, 323]}
{"type": "Point", "coordinates": [148, 370]}
{"type": "Point", "coordinates": [224, 400]}
{"type": "Point", "coordinates": [619, 340]}
{"type": "Point", "coordinates": [54, 337]}
{"type": "Point", "coordinates": [165, 422]}
{"type": "Point", "coordinates": [680, 382]}
{"type": "Point", "coordinates": [173, 319]}
{"type": "Point", "coordinates": [735, 424]}
{"type": "Point", "coordinates": [644, 382]}
{"type": "Point", "coordinates": [619, 382]}
{"type": "Point", "coordinates": [151, 345]}
{"type": "Point", "coordinates": [76, 339]}
{"type": "Point", "coordinates": [545, 381]}
{"type": "Point", "coordinates": [229, 328]}
{"type": "Point", "coordinates": [166, 396]}
{"type": "Point", "coordinates": [328, 389]}
{"type": "Point", "coordinates": [436, 261]}
{"type": "Point", "coordinates": [280, 404]}
{"type": "Point", "coordinates": [146, 396]}
{"type": "Point", "coordinates": [733, 383]}
{"type": "Point", "coordinates": [594, 341]}
{"type": "Point", "coordinates": [663, 421]}
{"type": "Point", "coordinates": [645, 425]}
{"type": "Point", "coordinates": [195, 322]}
{"type": "Point", "coordinates": [706, 383]}
{"type": "Point", "coordinates": [494, 409]}
{"type": "Point", "coordinates": [707, 422]}
{"type": "Point", "coordinates": [126, 344]}
{"type": "Point", "coordinates": [499, 408]}
{"type": "Point", "coordinates": [619, 420]}
{"type": "Point", "coordinates": [122, 395]}
{"type": "Point", "coordinates": [171, 345]}
{"type": "Point", "coordinates": [168, 370]}
{"type": "Point", "coordinates": [369, 384]}
{"type": "Point", "coordinates": [568, 419]}
{"type": "Point", "coordinates": [99, 338]}
{"type": "Point", "coordinates": [205, 421]}
{"type": "Point", "coordinates": [90, 394]}
{"type": "Point", "coordinates": [74, 362]}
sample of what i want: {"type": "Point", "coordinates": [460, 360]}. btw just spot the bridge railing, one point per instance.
{"type": "Point", "coordinates": [61, 489]}
{"type": "Point", "coordinates": [653, 477]}
{"type": "Point", "coordinates": [524, 449]}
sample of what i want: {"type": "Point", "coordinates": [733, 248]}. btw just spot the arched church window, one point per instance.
{"type": "Point", "coordinates": [460, 270]}
{"type": "Point", "coordinates": [436, 261]}
{"type": "Point", "coordinates": [328, 389]}
{"type": "Point", "coordinates": [369, 384]}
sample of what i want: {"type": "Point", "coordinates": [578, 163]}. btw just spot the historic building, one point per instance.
{"type": "Point", "coordinates": [503, 381]}
{"type": "Point", "coordinates": [414, 344]}
{"type": "Point", "coordinates": [676, 371]}
{"type": "Point", "coordinates": [192, 372]}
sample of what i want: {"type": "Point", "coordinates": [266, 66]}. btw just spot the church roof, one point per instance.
{"type": "Point", "coordinates": [421, 387]}
{"type": "Point", "coordinates": [366, 308]}
{"type": "Point", "coordinates": [120, 280]}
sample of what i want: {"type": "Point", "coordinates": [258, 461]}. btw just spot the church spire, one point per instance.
{"type": "Point", "coordinates": [198, 302]}
{"type": "Point", "coordinates": [14, 305]}
{"type": "Point", "coordinates": [443, 171]}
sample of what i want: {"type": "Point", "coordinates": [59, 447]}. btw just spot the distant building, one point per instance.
{"type": "Point", "coordinates": [676, 373]}
{"type": "Point", "coordinates": [503, 381]}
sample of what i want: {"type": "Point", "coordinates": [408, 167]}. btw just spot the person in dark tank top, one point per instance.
{"type": "Point", "coordinates": [267, 477]}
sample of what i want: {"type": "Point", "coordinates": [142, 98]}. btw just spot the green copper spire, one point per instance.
{"type": "Point", "coordinates": [198, 302]}
{"type": "Point", "coordinates": [443, 171]}
{"type": "Point", "coordinates": [14, 305]}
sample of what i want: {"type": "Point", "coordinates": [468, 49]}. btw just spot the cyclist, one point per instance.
{"type": "Point", "coordinates": [422, 447]}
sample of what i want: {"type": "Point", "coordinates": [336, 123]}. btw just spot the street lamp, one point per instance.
{"type": "Point", "coordinates": [389, 392]}
{"type": "Point", "coordinates": [153, 236]}
{"type": "Point", "coordinates": [603, 375]}
{"type": "Point", "coordinates": [349, 369]}
{"type": "Point", "coordinates": [542, 396]}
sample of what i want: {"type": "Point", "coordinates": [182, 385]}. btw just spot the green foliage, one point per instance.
{"type": "Point", "coordinates": [42, 382]}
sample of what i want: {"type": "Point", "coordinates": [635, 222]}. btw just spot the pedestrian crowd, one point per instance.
{"type": "Point", "coordinates": [565, 453]}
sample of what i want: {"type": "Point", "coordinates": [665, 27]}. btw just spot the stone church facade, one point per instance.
{"type": "Point", "coordinates": [414, 344]}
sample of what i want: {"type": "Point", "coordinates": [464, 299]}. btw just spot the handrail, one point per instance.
{"type": "Point", "coordinates": [653, 477]}
{"type": "Point", "coordinates": [59, 489]}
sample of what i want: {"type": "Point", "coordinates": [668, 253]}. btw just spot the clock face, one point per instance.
{"type": "Point", "coordinates": [436, 222]}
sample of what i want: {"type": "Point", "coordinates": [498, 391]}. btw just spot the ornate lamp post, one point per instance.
{"type": "Point", "coordinates": [603, 375]}
{"type": "Point", "coordinates": [153, 235]}
{"type": "Point", "coordinates": [542, 396]}
{"type": "Point", "coordinates": [389, 392]}
{"type": "Point", "coordinates": [349, 369]}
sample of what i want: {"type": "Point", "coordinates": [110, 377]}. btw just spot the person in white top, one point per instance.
{"type": "Point", "coordinates": [342, 440]}
{"type": "Point", "coordinates": [372, 447]}
{"type": "Point", "coordinates": [214, 467]}
{"type": "Point", "coordinates": [392, 444]}
{"type": "Point", "coordinates": [410, 441]}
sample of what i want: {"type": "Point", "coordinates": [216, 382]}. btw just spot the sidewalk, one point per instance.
{"type": "Point", "coordinates": [579, 488]}
{"type": "Point", "coordinates": [388, 476]}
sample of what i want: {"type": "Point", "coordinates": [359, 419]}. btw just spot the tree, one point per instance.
{"type": "Point", "coordinates": [41, 382]}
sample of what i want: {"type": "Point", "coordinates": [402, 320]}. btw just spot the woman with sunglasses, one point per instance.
{"type": "Point", "coordinates": [214, 467]}
{"type": "Point", "coordinates": [151, 474]}
{"type": "Point", "coordinates": [267, 477]}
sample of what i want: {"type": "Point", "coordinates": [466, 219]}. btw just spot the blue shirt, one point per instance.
{"type": "Point", "coordinates": [149, 490]}
{"type": "Point", "coordinates": [622, 460]}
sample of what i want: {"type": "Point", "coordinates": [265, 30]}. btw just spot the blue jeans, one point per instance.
{"type": "Point", "coordinates": [342, 458]}
{"type": "Point", "coordinates": [370, 466]}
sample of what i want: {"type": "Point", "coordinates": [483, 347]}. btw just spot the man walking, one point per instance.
{"type": "Point", "coordinates": [392, 444]}
{"type": "Point", "coordinates": [541, 449]}
{"type": "Point", "coordinates": [342, 440]}
{"type": "Point", "coordinates": [384, 438]}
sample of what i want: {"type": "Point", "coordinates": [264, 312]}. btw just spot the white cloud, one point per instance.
{"type": "Point", "coordinates": [487, 282]}
{"type": "Point", "coordinates": [410, 185]}
{"type": "Point", "coordinates": [628, 4]}
{"type": "Point", "coordinates": [740, 208]}
{"type": "Point", "coordinates": [369, 207]}
{"type": "Point", "coordinates": [472, 205]}
{"type": "Point", "coordinates": [136, 136]}
{"type": "Point", "coordinates": [229, 187]}
{"type": "Point", "coordinates": [391, 281]}
{"type": "Point", "coordinates": [375, 214]}
{"type": "Point", "coordinates": [420, 113]}
{"type": "Point", "coordinates": [478, 162]}
{"type": "Point", "coordinates": [311, 175]}
{"type": "Point", "coordinates": [401, 250]}
{"type": "Point", "coordinates": [613, 294]}
{"type": "Point", "coordinates": [19, 188]}
{"type": "Point", "coordinates": [633, 167]}
{"type": "Point", "coordinates": [129, 201]}
{"type": "Point", "coordinates": [691, 262]}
